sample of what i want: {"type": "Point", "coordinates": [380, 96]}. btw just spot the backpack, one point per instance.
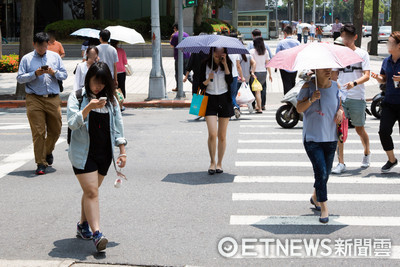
{"type": "Point", "coordinates": [79, 96]}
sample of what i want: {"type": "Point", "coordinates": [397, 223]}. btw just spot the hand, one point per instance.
{"type": "Point", "coordinates": [349, 85]}
{"type": "Point", "coordinates": [95, 103]}
{"type": "Point", "coordinates": [211, 76]}
{"type": "Point", "coordinates": [243, 79]}
{"type": "Point", "coordinates": [121, 161]}
{"type": "Point", "coordinates": [39, 72]}
{"type": "Point", "coordinates": [270, 78]}
{"type": "Point", "coordinates": [185, 79]}
{"type": "Point", "coordinates": [396, 78]}
{"type": "Point", "coordinates": [374, 75]}
{"type": "Point", "coordinates": [339, 116]}
{"type": "Point", "coordinates": [254, 76]}
{"type": "Point", "coordinates": [315, 96]}
{"type": "Point", "coordinates": [116, 83]}
{"type": "Point", "coordinates": [50, 71]}
{"type": "Point", "coordinates": [223, 59]}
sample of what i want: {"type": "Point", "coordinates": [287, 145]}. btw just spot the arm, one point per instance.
{"type": "Point", "coordinates": [269, 51]}
{"type": "Point", "coordinates": [252, 67]}
{"type": "Point", "coordinates": [269, 72]}
{"type": "Point", "coordinates": [120, 140]}
{"type": "Point", "coordinates": [334, 76]}
{"type": "Point", "coordinates": [239, 68]}
{"type": "Point", "coordinates": [381, 78]}
{"type": "Point", "coordinates": [306, 102]}
{"type": "Point", "coordinates": [115, 74]}
{"type": "Point", "coordinates": [77, 77]}
{"type": "Point", "coordinates": [24, 76]}
{"type": "Point", "coordinates": [62, 51]}
{"type": "Point", "coordinates": [361, 80]}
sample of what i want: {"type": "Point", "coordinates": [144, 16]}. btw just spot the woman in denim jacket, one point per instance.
{"type": "Point", "coordinates": [96, 125]}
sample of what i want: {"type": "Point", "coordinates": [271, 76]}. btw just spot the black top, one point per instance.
{"type": "Point", "coordinates": [99, 132]}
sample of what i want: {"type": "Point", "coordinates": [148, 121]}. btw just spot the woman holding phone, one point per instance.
{"type": "Point", "coordinates": [97, 126]}
{"type": "Point", "coordinates": [216, 78]}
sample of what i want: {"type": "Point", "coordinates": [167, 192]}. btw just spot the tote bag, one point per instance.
{"type": "Point", "coordinates": [199, 104]}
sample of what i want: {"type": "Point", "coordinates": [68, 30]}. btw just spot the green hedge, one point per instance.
{"type": "Point", "coordinates": [63, 28]}
{"type": "Point", "coordinates": [9, 63]}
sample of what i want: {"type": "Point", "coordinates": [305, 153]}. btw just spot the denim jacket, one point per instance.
{"type": "Point", "coordinates": [79, 147]}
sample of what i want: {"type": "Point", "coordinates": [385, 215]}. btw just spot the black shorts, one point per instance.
{"type": "Point", "coordinates": [100, 164]}
{"type": "Point", "coordinates": [220, 105]}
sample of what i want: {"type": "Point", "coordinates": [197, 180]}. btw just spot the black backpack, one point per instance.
{"type": "Point", "coordinates": [79, 96]}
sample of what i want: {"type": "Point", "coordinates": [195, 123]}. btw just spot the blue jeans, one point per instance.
{"type": "Point", "coordinates": [305, 37]}
{"type": "Point", "coordinates": [321, 155]}
{"type": "Point", "coordinates": [234, 91]}
{"type": "Point", "coordinates": [299, 37]}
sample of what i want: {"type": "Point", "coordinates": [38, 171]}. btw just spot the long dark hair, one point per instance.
{"type": "Point", "coordinates": [101, 73]}
{"type": "Point", "coordinates": [209, 60]}
{"type": "Point", "coordinates": [259, 45]}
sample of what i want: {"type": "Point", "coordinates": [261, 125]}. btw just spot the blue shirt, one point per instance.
{"type": "Point", "coordinates": [390, 68]}
{"type": "Point", "coordinates": [251, 46]}
{"type": "Point", "coordinates": [44, 84]}
{"type": "Point", "coordinates": [287, 43]}
{"type": "Point", "coordinates": [317, 127]}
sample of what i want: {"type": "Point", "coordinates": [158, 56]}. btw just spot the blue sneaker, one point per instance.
{"type": "Point", "coordinates": [100, 241]}
{"type": "Point", "coordinates": [83, 231]}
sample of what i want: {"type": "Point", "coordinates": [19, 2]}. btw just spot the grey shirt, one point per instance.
{"type": "Point", "coordinates": [108, 55]}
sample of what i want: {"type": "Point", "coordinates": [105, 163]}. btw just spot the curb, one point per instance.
{"type": "Point", "coordinates": [141, 104]}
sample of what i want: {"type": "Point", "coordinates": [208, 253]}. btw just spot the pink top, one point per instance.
{"type": "Point", "coordinates": [122, 60]}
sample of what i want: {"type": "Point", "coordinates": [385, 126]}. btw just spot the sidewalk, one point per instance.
{"type": "Point", "coordinates": [137, 86]}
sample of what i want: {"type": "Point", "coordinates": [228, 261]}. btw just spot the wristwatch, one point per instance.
{"type": "Point", "coordinates": [355, 83]}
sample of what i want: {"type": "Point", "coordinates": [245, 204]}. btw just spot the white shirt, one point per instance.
{"type": "Point", "coordinates": [80, 74]}
{"type": "Point", "coordinates": [351, 74]}
{"type": "Point", "coordinates": [234, 58]}
{"type": "Point", "coordinates": [299, 29]}
{"type": "Point", "coordinates": [218, 86]}
{"type": "Point", "coordinates": [108, 55]}
{"type": "Point", "coordinates": [312, 29]}
{"type": "Point", "coordinates": [260, 60]}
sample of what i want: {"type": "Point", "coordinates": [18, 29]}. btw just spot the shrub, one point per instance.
{"type": "Point", "coordinates": [9, 63]}
{"type": "Point", "coordinates": [211, 25]}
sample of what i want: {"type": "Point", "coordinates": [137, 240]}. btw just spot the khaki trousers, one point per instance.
{"type": "Point", "coordinates": [44, 115]}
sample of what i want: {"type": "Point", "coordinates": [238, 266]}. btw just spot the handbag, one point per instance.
{"type": "Point", "coordinates": [199, 103]}
{"type": "Point", "coordinates": [128, 70]}
{"type": "Point", "coordinates": [244, 95]}
{"type": "Point", "coordinates": [342, 129]}
{"type": "Point", "coordinates": [256, 85]}
{"type": "Point", "coordinates": [119, 96]}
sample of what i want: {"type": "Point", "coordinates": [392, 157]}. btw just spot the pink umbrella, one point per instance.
{"type": "Point", "coordinates": [314, 56]}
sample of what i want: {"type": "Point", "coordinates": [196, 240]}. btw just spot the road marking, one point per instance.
{"type": "Point", "coordinates": [258, 121]}
{"type": "Point", "coordinates": [299, 132]}
{"type": "Point", "coordinates": [298, 151]}
{"type": "Point", "coordinates": [18, 159]}
{"type": "Point", "coordinates": [306, 197]}
{"type": "Point", "coordinates": [298, 141]}
{"type": "Point", "coordinates": [289, 164]}
{"type": "Point", "coordinates": [298, 127]}
{"type": "Point", "coordinates": [313, 220]}
{"type": "Point", "coordinates": [333, 179]}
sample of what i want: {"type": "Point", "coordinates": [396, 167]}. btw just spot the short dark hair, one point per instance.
{"type": "Point", "coordinates": [256, 32]}
{"type": "Point", "coordinates": [40, 38]}
{"type": "Point", "coordinates": [288, 30]}
{"type": "Point", "coordinates": [90, 48]}
{"type": "Point", "coordinates": [348, 29]}
{"type": "Point", "coordinates": [51, 34]}
{"type": "Point", "coordinates": [105, 35]}
{"type": "Point", "coordinates": [175, 26]}
{"type": "Point", "coordinates": [102, 73]}
{"type": "Point", "coordinates": [337, 18]}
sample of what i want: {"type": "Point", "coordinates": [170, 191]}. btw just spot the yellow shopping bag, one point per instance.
{"type": "Point", "coordinates": [256, 85]}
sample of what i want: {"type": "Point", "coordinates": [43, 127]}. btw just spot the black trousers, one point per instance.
{"type": "Point", "coordinates": [288, 80]}
{"type": "Point", "coordinates": [336, 35]}
{"type": "Point", "coordinates": [390, 114]}
{"type": "Point", "coordinates": [121, 77]}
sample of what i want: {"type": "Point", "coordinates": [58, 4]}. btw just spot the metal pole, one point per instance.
{"type": "Point", "coordinates": [276, 19]}
{"type": "Point", "coordinates": [324, 14]}
{"type": "Point", "coordinates": [302, 11]}
{"type": "Point", "coordinates": [313, 11]}
{"type": "Point", "coordinates": [332, 11]}
{"type": "Point", "coordinates": [156, 80]}
{"type": "Point", "coordinates": [235, 14]}
{"type": "Point", "coordinates": [180, 93]}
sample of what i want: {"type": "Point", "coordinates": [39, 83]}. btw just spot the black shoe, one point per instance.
{"type": "Point", "coordinates": [324, 220]}
{"type": "Point", "coordinates": [41, 169]}
{"type": "Point", "coordinates": [219, 171]}
{"type": "Point", "coordinates": [50, 159]}
{"type": "Point", "coordinates": [211, 171]}
{"type": "Point", "coordinates": [263, 108]}
{"type": "Point", "coordinates": [388, 166]}
{"type": "Point", "coordinates": [316, 207]}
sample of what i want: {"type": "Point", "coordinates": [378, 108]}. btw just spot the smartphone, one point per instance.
{"type": "Point", "coordinates": [103, 98]}
{"type": "Point", "coordinates": [44, 67]}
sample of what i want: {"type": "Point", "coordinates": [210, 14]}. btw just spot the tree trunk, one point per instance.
{"type": "Point", "coordinates": [1, 44]}
{"type": "Point", "coordinates": [209, 9]}
{"type": "Point", "coordinates": [169, 7]}
{"type": "Point", "coordinates": [26, 37]}
{"type": "Point", "coordinates": [296, 10]}
{"type": "Point", "coordinates": [374, 39]}
{"type": "Point", "coordinates": [88, 10]}
{"type": "Point", "coordinates": [198, 16]}
{"type": "Point", "coordinates": [395, 15]}
{"type": "Point", "coordinates": [216, 12]}
{"type": "Point", "coordinates": [358, 19]}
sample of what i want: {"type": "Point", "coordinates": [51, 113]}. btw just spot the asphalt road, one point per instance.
{"type": "Point", "coordinates": [170, 212]}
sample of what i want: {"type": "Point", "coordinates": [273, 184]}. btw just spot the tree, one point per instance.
{"type": "Point", "coordinates": [169, 7]}
{"type": "Point", "coordinates": [26, 36]}
{"type": "Point", "coordinates": [198, 15]}
{"type": "Point", "coordinates": [374, 39]}
{"type": "Point", "coordinates": [88, 10]}
{"type": "Point", "coordinates": [1, 44]}
{"type": "Point", "coordinates": [395, 15]}
{"type": "Point", "coordinates": [217, 5]}
{"type": "Point", "coordinates": [368, 10]}
{"type": "Point", "coordinates": [358, 19]}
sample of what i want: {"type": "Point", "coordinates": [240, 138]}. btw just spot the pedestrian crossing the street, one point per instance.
{"type": "Point", "coordinates": [276, 157]}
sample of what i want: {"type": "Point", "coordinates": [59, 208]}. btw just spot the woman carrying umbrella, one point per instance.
{"type": "Point", "coordinates": [216, 77]}
{"type": "Point", "coordinates": [322, 111]}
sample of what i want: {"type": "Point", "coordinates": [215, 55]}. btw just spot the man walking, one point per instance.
{"type": "Point", "coordinates": [299, 30]}
{"type": "Point", "coordinates": [39, 71]}
{"type": "Point", "coordinates": [352, 79]}
{"type": "Point", "coordinates": [336, 28]}
{"type": "Point", "coordinates": [108, 54]}
{"type": "Point", "coordinates": [288, 77]}
{"type": "Point", "coordinates": [174, 41]}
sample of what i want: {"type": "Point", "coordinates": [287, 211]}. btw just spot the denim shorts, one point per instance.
{"type": "Point", "coordinates": [312, 34]}
{"type": "Point", "coordinates": [354, 109]}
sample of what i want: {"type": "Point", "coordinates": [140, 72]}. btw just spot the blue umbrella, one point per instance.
{"type": "Point", "coordinates": [203, 43]}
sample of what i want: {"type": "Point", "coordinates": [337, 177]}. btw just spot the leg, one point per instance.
{"type": "Point", "coordinates": [53, 123]}
{"type": "Point", "coordinates": [364, 139]}
{"type": "Point", "coordinates": [258, 101]}
{"type": "Point", "coordinates": [340, 153]}
{"type": "Point", "coordinates": [212, 126]}
{"type": "Point", "coordinates": [83, 214]}
{"type": "Point", "coordinates": [121, 82]}
{"type": "Point", "coordinates": [37, 120]}
{"type": "Point", "coordinates": [388, 119]}
{"type": "Point", "coordinates": [222, 127]}
{"type": "Point", "coordinates": [234, 91]}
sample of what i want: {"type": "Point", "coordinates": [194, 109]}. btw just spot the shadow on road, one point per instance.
{"type": "Point", "coordinates": [76, 248]}
{"type": "Point", "coordinates": [198, 178]}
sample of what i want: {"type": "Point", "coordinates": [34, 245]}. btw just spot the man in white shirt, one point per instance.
{"type": "Point", "coordinates": [312, 31]}
{"type": "Point", "coordinates": [353, 78]}
{"type": "Point", "coordinates": [108, 54]}
{"type": "Point", "coordinates": [299, 31]}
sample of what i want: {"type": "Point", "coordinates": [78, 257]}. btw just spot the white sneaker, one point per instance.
{"type": "Point", "coordinates": [365, 161]}
{"type": "Point", "coordinates": [339, 168]}
{"type": "Point", "coordinates": [250, 107]}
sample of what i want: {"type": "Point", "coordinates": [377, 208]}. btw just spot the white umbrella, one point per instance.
{"type": "Point", "coordinates": [303, 25]}
{"type": "Point", "coordinates": [87, 32]}
{"type": "Point", "coordinates": [124, 34]}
